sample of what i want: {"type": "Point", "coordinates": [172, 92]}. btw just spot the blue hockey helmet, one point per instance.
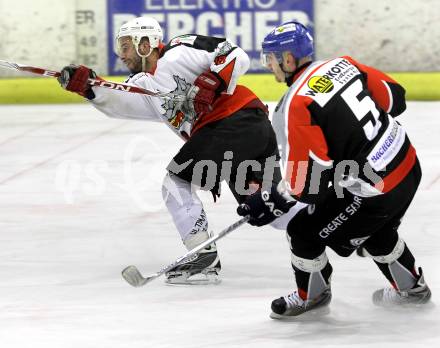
{"type": "Point", "coordinates": [291, 37]}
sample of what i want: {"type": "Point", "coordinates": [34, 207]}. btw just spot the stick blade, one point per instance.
{"type": "Point", "coordinates": [133, 277]}
{"type": "Point", "coordinates": [9, 65]}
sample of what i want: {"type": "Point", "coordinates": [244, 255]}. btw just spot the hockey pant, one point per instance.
{"type": "Point", "coordinates": [344, 224]}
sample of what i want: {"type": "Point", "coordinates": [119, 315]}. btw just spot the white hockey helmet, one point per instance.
{"type": "Point", "coordinates": [138, 28]}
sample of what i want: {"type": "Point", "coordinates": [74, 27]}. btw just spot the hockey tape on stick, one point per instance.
{"type": "Point", "coordinates": [92, 82]}
{"type": "Point", "coordinates": [135, 278]}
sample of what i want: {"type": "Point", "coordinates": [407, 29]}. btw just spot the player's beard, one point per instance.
{"type": "Point", "coordinates": [135, 65]}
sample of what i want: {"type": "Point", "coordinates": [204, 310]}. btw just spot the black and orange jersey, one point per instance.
{"type": "Point", "coordinates": [336, 125]}
{"type": "Point", "coordinates": [181, 61]}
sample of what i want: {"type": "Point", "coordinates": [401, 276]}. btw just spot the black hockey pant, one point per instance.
{"type": "Point", "coordinates": [344, 224]}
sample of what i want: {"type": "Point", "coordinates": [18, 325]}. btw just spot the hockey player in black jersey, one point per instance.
{"type": "Point", "coordinates": [343, 152]}
{"type": "Point", "coordinates": [220, 122]}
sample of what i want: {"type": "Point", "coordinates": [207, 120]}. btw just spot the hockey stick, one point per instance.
{"type": "Point", "coordinates": [135, 278]}
{"type": "Point", "coordinates": [92, 82]}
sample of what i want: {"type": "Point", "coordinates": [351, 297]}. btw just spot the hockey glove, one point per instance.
{"type": "Point", "coordinates": [264, 206]}
{"type": "Point", "coordinates": [206, 89]}
{"type": "Point", "coordinates": [74, 78]}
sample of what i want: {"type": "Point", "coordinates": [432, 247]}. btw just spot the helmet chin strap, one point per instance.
{"type": "Point", "coordinates": [143, 56]}
{"type": "Point", "coordinates": [144, 64]}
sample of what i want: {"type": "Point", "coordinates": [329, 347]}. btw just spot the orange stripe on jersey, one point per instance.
{"type": "Point", "coordinates": [399, 173]}
{"type": "Point", "coordinates": [226, 72]}
{"type": "Point", "coordinates": [303, 138]}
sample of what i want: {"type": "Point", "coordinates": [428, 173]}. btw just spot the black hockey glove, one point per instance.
{"type": "Point", "coordinates": [74, 78]}
{"type": "Point", "coordinates": [264, 206]}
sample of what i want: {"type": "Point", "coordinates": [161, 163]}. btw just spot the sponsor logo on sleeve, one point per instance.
{"type": "Point", "coordinates": [330, 78]}
{"type": "Point", "coordinates": [320, 84]}
{"type": "Point", "coordinates": [219, 60]}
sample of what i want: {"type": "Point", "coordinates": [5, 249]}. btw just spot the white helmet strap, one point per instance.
{"type": "Point", "coordinates": [144, 57]}
{"type": "Point", "coordinates": [136, 44]}
{"type": "Point", "coordinates": [144, 63]}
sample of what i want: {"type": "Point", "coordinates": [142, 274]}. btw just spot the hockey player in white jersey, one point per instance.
{"type": "Point", "coordinates": [220, 122]}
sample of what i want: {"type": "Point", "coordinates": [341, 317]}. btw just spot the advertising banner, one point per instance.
{"type": "Point", "coordinates": [244, 22]}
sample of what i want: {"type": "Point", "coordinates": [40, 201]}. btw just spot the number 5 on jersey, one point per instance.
{"type": "Point", "coordinates": [362, 107]}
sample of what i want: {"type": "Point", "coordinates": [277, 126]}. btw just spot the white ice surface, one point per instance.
{"type": "Point", "coordinates": [73, 214]}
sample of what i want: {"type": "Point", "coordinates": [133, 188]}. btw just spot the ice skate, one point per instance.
{"type": "Point", "coordinates": [417, 295]}
{"type": "Point", "coordinates": [293, 307]}
{"type": "Point", "coordinates": [202, 268]}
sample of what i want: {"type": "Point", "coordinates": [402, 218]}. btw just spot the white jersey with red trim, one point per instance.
{"type": "Point", "coordinates": [180, 63]}
{"type": "Point", "coordinates": [335, 124]}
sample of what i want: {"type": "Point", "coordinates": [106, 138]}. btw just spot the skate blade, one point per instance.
{"type": "Point", "coordinates": [309, 315]}
{"type": "Point", "coordinates": [196, 279]}
{"type": "Point", "coordinates": [404, 307]}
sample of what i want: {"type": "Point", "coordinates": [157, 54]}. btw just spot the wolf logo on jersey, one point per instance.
{"type": "Point", "coordinates": [176, 112]}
